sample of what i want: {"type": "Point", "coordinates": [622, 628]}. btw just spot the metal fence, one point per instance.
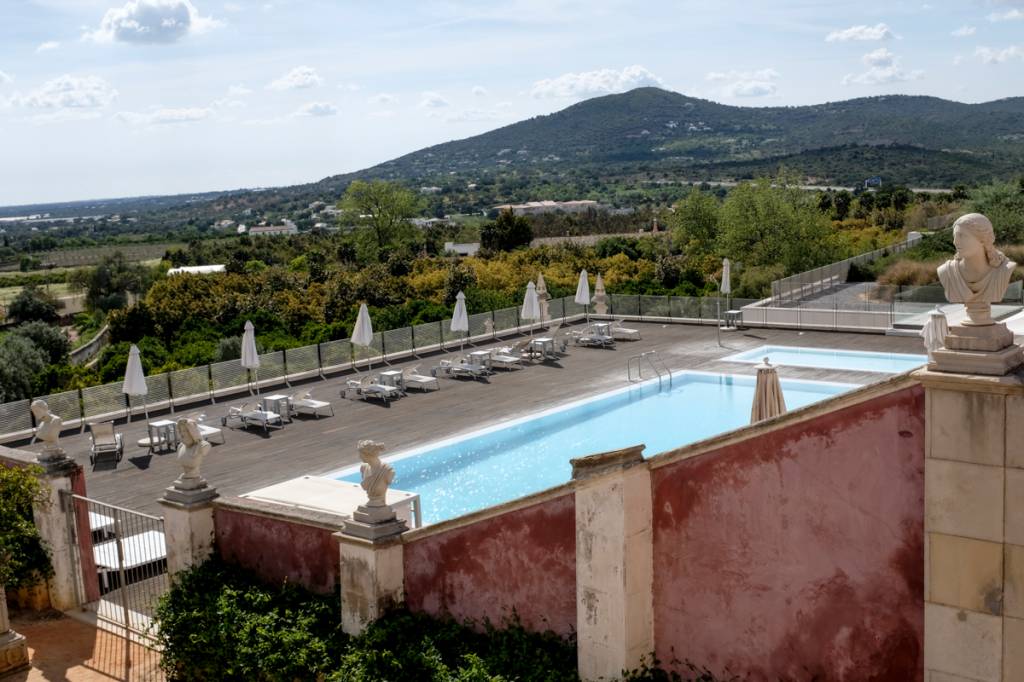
{"type": "Point", "coordinates": [825, 278]}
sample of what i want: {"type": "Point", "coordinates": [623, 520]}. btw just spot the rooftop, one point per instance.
{"type": "Point", "coordinates": [250, 460]}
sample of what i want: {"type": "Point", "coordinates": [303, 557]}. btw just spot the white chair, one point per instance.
{"type": "Point", "coordinates": [304, 403]}
{"type": "Point", "coordinates": [107, 445]}
{"type": "Point", "coordinates": [365, 388]}
{"type": "Point", "coordinates": [411, 377]}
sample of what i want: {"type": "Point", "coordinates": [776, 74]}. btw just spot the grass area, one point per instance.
{"type": "Point", "coordinates": [7, 294]}
{"type": "Point", "coordinates": [76, 258]}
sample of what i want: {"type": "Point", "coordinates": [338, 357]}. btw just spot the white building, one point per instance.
{"type": "Point", "coordinates": [548, 206]}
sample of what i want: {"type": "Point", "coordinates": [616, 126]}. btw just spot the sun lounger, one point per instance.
{"type": "Point", "coordinates": [505, 360]}
{"type": "Point", "coordinates": [107, 445]}
{"type": "Point", "coordinates": [263, 418]}
{"type": "Point", "coordinates": [411, 377]}
{"type": "Point", "coordinates": [462, 369]}
{"type": "Point", "coordinates": [304, 403]}
{"type": "Point", "coordinates": [621, 333]}
{"type": "Point", "coordinates": [366, 388]}
{"type": "Point", "coordinates": [592, 339]}
{"type": "Point", "coordinates": [208, 431]}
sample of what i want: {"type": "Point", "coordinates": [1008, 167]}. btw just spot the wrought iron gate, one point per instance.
{"type": "Point", "coordinates": [122, 560]}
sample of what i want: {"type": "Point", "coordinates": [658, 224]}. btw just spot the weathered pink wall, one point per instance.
{"type": "Point", "coordinates": [524, 560]}
{"type": "Point", "coordinates": [278, 550]}
{"type": "Point", "coordinates": [798, 554]}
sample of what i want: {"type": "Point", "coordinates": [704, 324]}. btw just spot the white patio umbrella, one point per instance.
{"type": "Point", "coordinates": [362, 335]}
{"type": "Point", "coordinates": [250, 356]}
{"type": "Point", "coordinates": [460, 318]}
{"type": "Point", "coordinates": [531, 307]}
{"type": "Point", "coordinates": [583, 293]}
{"type": "Point", "coordinates": [934, 331]}
{"type": "Point", "coordinates": [768, 399]}
{"type": "Point", "coordinates": [135, 380]}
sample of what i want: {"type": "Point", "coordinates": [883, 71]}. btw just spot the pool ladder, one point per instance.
{"type": "Point", "coordinates": [652, 360]}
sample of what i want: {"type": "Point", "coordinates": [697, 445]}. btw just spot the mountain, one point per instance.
{"type": "Point", "coordinates": [669, 130]}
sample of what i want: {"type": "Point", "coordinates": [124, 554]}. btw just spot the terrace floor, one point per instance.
{"type": "Point", "coordinates": [250, 460]}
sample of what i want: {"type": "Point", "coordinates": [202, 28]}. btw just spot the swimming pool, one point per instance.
{"type": "Point", "coordinates": [860, 360]}
{"type": "Point", "coordinates": [527, 455]}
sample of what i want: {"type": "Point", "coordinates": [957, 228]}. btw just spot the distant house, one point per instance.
{"type": "Point", "coordinates": [429, 190]}
{"type": "Point", "coordinates": [287, 228]}
{"type": "Point", "coordinates": [428, 222]}
{"type": "Point", "coordinates": [196, 270]}
{"type": "Point", "coordinates": [548, 206]}
{"type": "Point", "coordinates": [467, 249]}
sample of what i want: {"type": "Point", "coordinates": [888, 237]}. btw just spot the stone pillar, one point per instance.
{"type": "Point", "coordinates": [188, 523]}
{"type": "Point", "coordinates": [51, 518]}
{"type": "Point", "coordinates": [974, 526]}
{"type": "Point", "coordinates": [614, 563]}
{"type": "Point", "coordinates": [13, 649]}
{"type": "Point", "coordinates": [372, 568]}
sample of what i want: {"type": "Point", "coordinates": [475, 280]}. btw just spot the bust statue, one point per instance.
{"type": "Point", "coordinates": [48, 428]}
{"type": "Point", "coordinates": [191, 451]}
{"type": "Point", "coordinates": [978, 275]}
{"type": "Point", "coordinates": [377, 475]}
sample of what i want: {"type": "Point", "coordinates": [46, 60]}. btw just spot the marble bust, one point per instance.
{"type": "Point", "coordinates": [48, 426]}
{"type": "Point", "coordinates": [377, 475]}
{"type": "Point", "coordinates": [979, 274]}
{"type": "Point", "coordinates": [191, 451]}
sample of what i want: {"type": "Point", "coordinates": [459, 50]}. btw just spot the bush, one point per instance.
{"type": "Point", "coordinates": [910, 273]}
{"type": "Point", "coordinates": [32, 303]}
{"type": "Point", "coordinates": [47, 338]}
{"type": "Point", "coordinates": [24, 559]}
{"type": "Point", "coordinates": [20, 362]}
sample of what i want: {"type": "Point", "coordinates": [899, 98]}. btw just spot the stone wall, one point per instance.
{"type": "Point", "coordinates": [278, 543]}
{"type": "Point", "coordinates": [484, 566]}
{"type": "Point", "coordinates": [797, 552]}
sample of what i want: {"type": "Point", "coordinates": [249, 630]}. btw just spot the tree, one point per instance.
{"type": "Point", "coordinates": [507, 233]}
{"type": "Point", "coordinates": [47, 338]}
{"type": "Point", "coordinates": [20, 362]}
{"type": "Point", "coordinates": [384, 207]}
{"type": "Point", "coordinates": [23, 556]}
{"type": "Point", "coordinates": [695, 222]}
{"type": "Point", "coordinates": [108, 284]}
{"type": "Point", "coordinates": [32, 303]}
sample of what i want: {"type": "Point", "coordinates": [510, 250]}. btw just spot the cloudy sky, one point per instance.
{"type": "Point", "coordinates": [104, 98]}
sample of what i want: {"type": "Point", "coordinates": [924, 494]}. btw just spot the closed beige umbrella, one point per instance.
{"type": "Point", "coordinates": [768, 400]}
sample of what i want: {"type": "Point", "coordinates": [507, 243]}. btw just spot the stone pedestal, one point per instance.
{"type": "Point", "coordinates": [974, 527]}
{"type": "Point", "coordinates": [13, 648]}
{"type": "Point", "coordinates": [971, 349]}
{"type": "Point", "coordinates": [52, 522]}
{"type": "Point", "coordinates": [188, 524]}
{"type": "Point", "coordinates": [372, 567]}
{"type": "Point", "coordinates": [614, 563]}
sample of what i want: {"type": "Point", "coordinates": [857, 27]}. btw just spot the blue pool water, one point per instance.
{"type": "Point", "coordinates": [530, 454]}
{"type": "Point", "coordinates": [863, 361]}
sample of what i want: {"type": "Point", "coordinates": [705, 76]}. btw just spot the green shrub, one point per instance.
{"type": "Point", "coordinates": [24, 560]}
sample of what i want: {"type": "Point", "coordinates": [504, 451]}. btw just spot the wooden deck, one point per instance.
{"type": "Point", "coordinates": [250, 460]}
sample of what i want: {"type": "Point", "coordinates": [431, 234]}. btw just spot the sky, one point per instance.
{"type": "Point", "coordinates": [111, 98]}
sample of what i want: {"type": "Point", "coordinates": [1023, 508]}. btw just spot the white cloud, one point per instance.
{"type": "Point", "coordinates": [876, 32]}
{"type": "Point", "coordinates": [165, 116]}
{"type": "Point", "coordinates": [595, 83]}
{"type": "Point", "coordinates": [299, 78]}
{"type": "Point", "coordinates": [151, 21]}
{"type": "Point", "coordinates": [5, 78]}
{"type": "Point", "coordinates": [383, 99]}
{"type": "Point", "coordinates": [991, 56]}
{"type": "Point", "coordinates": [69, 92]}
{"type": "Point", "coordinates": [432, 100]}
{"type": "Point", "coordinates": [964, 31]}
{"type": "Point", "coordinates": [317, 109]}
{"type": "Point", "coordinates": [479, 91]}
{"type": "Point", "coordinates": [48, 45]}
{"type": "Point", "coordinates": [1009, 15]}
{"type": "Point", "coordinates": [759, 83]}
{"type": "Point", "coordinates": [883, 67]}
{"type": "Point", "coordinates": [238, 90]}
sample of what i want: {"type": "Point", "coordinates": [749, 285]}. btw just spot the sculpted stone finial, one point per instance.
{"type": "Point", "coordinates": [377, 475]}
{"type": "Point", "coordinates": [48, 426]}
{"type": "Point", "coordinates": [979, 274]}
{"type": "Point", "coordinates": [191, 451]}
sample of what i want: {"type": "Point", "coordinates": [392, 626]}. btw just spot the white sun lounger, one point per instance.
{"type": "Point", "coordinates": [505, 360]}
{"type": "Point", "coordinates": [303, 403]}
{"type": "Point", "coordinates": [411, 377]}
{"type": "Point", "coordinates": [593, 340]}
{"type": "Point", "coordinates": [621, 333]}
{"type": "Point", "coordinates": [366, 388]}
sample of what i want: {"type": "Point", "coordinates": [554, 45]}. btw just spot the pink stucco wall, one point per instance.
{"type": "Point", "coordinates": [278, 550]}
{"type": "Point", "coordinates": [523, 560]}
{"type": "Point", "coordinates": [798, 554]}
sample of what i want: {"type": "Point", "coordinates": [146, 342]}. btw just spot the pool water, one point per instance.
{"type": "Point", "coordinates": [530, 454]}
{"type": "Point", "coordinates": [859, 360]}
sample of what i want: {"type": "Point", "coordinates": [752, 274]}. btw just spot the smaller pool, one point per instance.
{"type": "Point", "coordinates": [859, 360]}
